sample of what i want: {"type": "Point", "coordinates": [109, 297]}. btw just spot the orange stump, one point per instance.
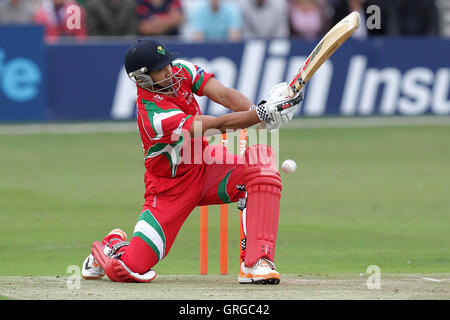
{"type": "Point", "coordinates": [223, 239]}
{"type": "Point", "coordinates": [204, 240]}
{"type": "Point", "coordinates": [224, 227]}
{"type": "Point", "coordinates": [223, 222]}
{"type": "Point", "coordinates": [242, 147]}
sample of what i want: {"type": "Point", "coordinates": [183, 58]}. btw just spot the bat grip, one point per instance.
{"type": "Point", "coordinates": [290, 103]}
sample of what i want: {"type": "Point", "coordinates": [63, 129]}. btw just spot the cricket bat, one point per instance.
{"type": "Point", "coordinates": [324, 49]}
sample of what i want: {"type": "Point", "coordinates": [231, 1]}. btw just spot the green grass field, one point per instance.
{"type": "Point", "coordinates": [360, 197]}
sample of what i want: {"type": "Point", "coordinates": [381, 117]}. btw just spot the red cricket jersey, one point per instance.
{"type": "Point", "coordinates": [161, 119]}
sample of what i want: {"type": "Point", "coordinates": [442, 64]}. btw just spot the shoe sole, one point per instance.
{"type": "Point", "coordinates": [270, 280]}
{"type": "Point", "coordinates": [93, 277]}
{"type": "Point", "coordinates": [119, 232]}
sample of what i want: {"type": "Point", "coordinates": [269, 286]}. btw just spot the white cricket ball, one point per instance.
{"type": "Point", "coordinates": [289, 166]}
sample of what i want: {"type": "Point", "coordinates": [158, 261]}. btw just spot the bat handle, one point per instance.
{"type": "Point", "coordinates": [291, 102]}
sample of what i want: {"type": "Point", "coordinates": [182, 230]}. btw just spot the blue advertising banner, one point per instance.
{"type": "Point", "coordinates": [87, 81]}
{"type": "Point", "coordinates": [82, 80]}
{"type": "Point", "coordinates": [392, 76]}
{"type": "Point", "coordinates": [22, 73]}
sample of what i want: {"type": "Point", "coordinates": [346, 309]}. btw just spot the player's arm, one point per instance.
{"type": "Point", "coordinates": [276, 111]}
{"type": "Point", "coordinates": [234, 120]}
{"type": "Point", "coordinates": [228, 97]}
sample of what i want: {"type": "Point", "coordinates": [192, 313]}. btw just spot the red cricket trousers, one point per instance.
{"type": "Point", "coordinates": [164, 214]}
{"type": "Point", "coordinates": [212, 182]}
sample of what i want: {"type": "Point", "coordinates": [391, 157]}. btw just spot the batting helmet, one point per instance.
{"type": "Point", "coordinates": [144, 56]}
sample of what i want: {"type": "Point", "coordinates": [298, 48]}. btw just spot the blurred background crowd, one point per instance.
{"type": "Point", "coordinates": [223, 20]}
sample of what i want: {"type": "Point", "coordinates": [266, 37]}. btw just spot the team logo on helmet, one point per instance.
{"type": "Point", "coordinates": [161, 50]}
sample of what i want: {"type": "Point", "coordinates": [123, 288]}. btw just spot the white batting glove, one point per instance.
{"type": "Point", "coordinates": [268, 111]}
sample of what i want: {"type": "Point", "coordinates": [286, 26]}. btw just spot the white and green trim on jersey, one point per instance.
{"type": "Point", "coordinates": [156, 115]}
{"type": "Point", "coordinates": [196, 77]}
{"type": "Point", "coordinates": [149, 230]}
{"type": "Point", "coordinates": [172, 151]}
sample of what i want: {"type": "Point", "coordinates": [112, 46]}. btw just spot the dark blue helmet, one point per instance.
{"type": "Point", "coordinates": [148, 53]}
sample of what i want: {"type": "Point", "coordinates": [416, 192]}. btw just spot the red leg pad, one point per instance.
{"type": "Point", "coordinates": [263, 186]}
{"type": "Point", "coordinates": [115, 269]}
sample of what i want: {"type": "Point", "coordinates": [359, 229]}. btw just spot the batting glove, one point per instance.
{"type": "Point", "coordinates": [280, 107]}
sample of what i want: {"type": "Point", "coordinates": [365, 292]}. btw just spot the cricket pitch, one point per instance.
{"type": "Point", "coordinates": [225, 287]}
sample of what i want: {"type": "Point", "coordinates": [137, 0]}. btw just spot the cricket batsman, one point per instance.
{"type": "Point", "coordinates": [173, 134]}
